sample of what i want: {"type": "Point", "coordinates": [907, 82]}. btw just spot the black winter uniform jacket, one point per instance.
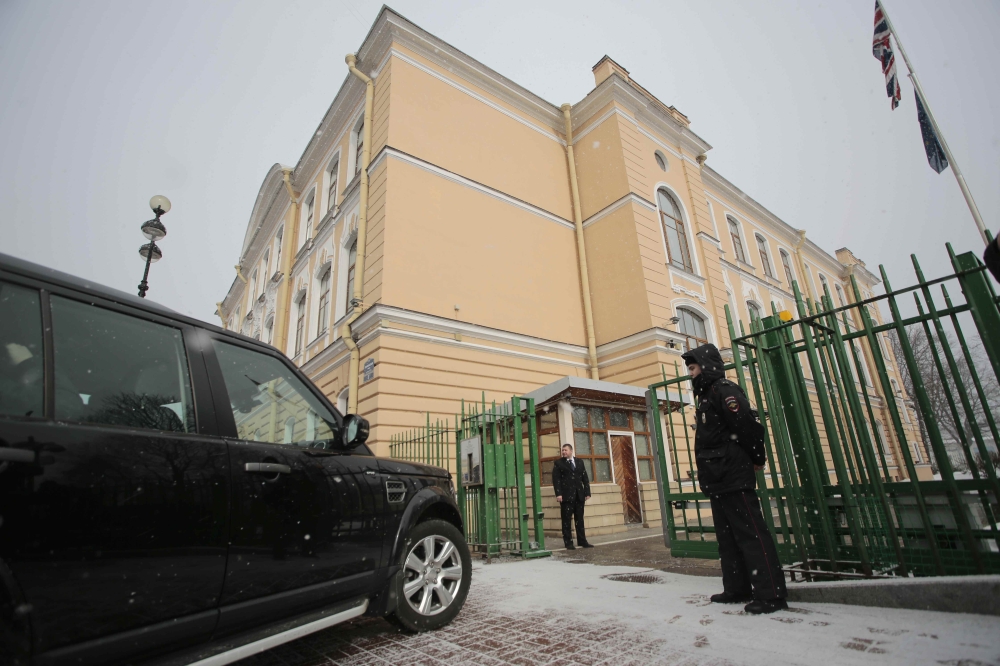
{"type": "Point", "coordinates": [724, 415]}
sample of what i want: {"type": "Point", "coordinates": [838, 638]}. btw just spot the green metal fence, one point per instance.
{"type": "Point", "coordinates": [494, 500]}
{"type": "Point", "coordinates": [848, 497]}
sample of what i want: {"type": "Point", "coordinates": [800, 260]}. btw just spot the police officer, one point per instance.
{"type": "Point", "coordinates": [727, 454]}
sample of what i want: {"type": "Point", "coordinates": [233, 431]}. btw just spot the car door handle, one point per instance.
{"type": "Point", "coordinates": [268, 468]}
{"type": "Point", "coordinates": [17, 455]}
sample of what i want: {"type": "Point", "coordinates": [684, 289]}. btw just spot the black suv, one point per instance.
{"type": "Point", "coordinates": [174, 492]}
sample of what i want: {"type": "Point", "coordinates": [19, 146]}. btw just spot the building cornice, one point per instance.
{"type": "Point", "coordinates": [617, 89]}
{"type": "Point", "coordinates": [754, 210]}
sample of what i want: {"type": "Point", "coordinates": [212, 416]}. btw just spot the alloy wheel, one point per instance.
{"type": "Point", "coordinates": [432, 575]}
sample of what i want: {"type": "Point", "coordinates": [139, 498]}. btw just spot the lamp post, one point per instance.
{"type": "Point", "coordinates": [153, 230]}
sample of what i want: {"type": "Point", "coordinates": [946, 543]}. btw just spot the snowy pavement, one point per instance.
{"type": "Point", "coordinates": [555, 612]}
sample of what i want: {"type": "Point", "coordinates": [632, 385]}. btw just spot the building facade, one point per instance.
{"type": "Point", "coordinates": [501, 258]}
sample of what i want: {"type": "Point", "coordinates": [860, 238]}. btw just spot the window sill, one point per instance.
{"type": "Point", "coordinates": [685, 274]}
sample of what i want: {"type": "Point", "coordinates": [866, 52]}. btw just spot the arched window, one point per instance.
{"type": "Point", "coordinates": [324, 304]}
{"type": "Point", "coordinates": [754, 311]}
{"type": "Point", "coordinates": [786, 263]}
{"type": "Point", "coordinates": [265, 264]}
{"type": "Point", "coordinates": [300, 324]}
{"type": "Point", "coordinates": [678, 252]}
{"type": "Point", "coordinates": [840, 295]}
{"type": "Point", "coordinates": [765, 260]}
{"type": "Point", "coordinates": [310, 211]}
{"type": "Point", "coordinates": [289, 430]}
{"type": "Point", "coordinates": [253, 287]}
{"type": "Point", "coordinates": [692, 325]}
{"type": "Point", "coordinates": [277, 248]}
{"type": "Point", "coordinates": [734, 232]}
{"type": "Point", "coordinates": [311, 426]}
{"type": "Point", "coordinates": [352, 261]}
{"type": "Point", "coordinates": [359, 142]}
{"type": "Point", "coordinates": [331, 178]}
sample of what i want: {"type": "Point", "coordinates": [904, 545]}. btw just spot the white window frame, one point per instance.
{"type": "Point", "coordinates": [688, 230]}
{"type": "Point", "coordinates": [356, 131]}
{"type": "Point", "coordinates": [332, 205]}
{"type": "Point", "coordinates": [743, 239]}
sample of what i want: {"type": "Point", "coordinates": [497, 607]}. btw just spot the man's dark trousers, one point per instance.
{"type": "Point", "coordinates": [570, 511]}
{"type": "Point", "coordinates": [746, 548]}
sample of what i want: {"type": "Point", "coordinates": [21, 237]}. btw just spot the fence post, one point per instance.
{"type": "Point", "coordinates": [978, 294]}
{"type": "Point", "coordinates": [536, 475]}
{"type": "Point", "coordinates": [659, 453]}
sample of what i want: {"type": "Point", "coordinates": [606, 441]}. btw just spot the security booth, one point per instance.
{"type": "Point", "coordinates": [610, 430]}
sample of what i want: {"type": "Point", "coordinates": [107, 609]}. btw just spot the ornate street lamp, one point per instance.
{"type": "Point", "coordinates": [153, 230]}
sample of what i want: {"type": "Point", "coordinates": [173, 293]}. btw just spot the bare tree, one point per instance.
{"type": "Point", "coordinates": [939, 390]}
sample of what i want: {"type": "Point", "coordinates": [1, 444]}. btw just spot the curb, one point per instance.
{"type": "Point", "coordinates": [949, 594]}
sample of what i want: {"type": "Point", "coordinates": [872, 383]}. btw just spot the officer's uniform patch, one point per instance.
{"type": "Point", "coordinates": [732, 403]}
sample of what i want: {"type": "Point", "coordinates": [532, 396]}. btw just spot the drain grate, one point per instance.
{"type": "Point", "coordinates": [648, 578]}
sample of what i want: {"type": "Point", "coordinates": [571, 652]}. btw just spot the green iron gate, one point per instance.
{"type": "Point", "coordinates": [491, 490]}
{"type": "Point", "coordinates": [821, 382]}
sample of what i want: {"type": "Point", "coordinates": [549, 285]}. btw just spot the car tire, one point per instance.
{"type": "Point", "coordinates": [434, 576]}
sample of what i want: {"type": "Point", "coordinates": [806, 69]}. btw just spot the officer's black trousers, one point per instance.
{"type": "Point", "coordinates": [569, 511]}
{"type": "Point", "coordinates": [746, 547]}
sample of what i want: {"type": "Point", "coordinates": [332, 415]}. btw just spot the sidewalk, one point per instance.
{"type": "Point", "coordinates": [636, 548]}
{"type": "Point", "coordinates": [553, 612]}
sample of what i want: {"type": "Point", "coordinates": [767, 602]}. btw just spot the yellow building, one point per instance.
{"type": "Point", "coordinates": [511, 246]}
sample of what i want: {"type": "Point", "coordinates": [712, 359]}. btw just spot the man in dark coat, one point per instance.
{"type": "Point", "coordinates": [727, 454]}
{"type": "Point", "coordinates": [572, 487]}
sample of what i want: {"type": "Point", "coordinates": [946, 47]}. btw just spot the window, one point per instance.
{"type": "Point", "coordinates": [661, 161]}
{"type": "Point", "coordinates": [352, 260]}
{"type": "Point", "coordinates": [786, 263]}
{"type": "Point", "coordinates": [765, 260]}
{"type": "Point", "coordinates": [360, 143]}
{"type": "Point", "coordinates": [643, 452]}
{"type": "Point", "coordinates": [265, 395]}
{"type": "Point", "coordinates": [754, 311]}
{"type": "Point", "coordinates": [824, 283]}
{"type": "Point", "coordinates": [310, 209]}
{"type": "Point", "coordinates": [119, 370]}
{"type": "Point", "coordinates": [265, 265]}
{"type": "Point", "coordinates": [21, 372]}
{"type": "Point", "coordinates": [253, 287]}
{"type": "Point", "coordinates": [300, 324]}
{"type": "Point", "coordinates": [886, 449]}
{"type": "Point", "coordinates": [590, 441]}
{"type": "Point", "coordinates": [277, 249]}
{"type": "Point", "coordinates": [331, 179]}
{"type": "Point", "coordinates": [840, 295]}
{"type": "Point", "coordinates": [693, 326]}
{"type": "Point", "coordinates": [734, 232]}
{"type": "Point", "coordinates": [269, 331]}
{"type": "Point", "coordinates": [324, 304]}
{"type": "Point", "coordinates": [678, 253]}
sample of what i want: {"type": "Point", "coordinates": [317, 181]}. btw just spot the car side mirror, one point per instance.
{"type": "Point", "coordinates": [354, 431]}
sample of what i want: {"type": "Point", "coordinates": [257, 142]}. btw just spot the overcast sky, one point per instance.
{"type": "Point", "coordinates": [105, 104]}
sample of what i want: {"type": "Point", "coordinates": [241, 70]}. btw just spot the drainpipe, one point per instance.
{"type": "Point", "coordinates": [581, 246]}
{"type": "Point", "coordinates": [802, 267]}
{"type": "Point", "coordinates": [281, 309]}
{"type": "Point", "coordinates": [359, 268]}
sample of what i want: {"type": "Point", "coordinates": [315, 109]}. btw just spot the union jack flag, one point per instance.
{"type": "Point", "coordinates": [882, 50]}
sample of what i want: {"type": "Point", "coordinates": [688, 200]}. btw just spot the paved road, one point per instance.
{"type": "Point", "coordinates": [556, 612]}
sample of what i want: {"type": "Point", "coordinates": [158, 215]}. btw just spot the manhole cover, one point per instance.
{"type": "Point", "coordinates": [647, 578]}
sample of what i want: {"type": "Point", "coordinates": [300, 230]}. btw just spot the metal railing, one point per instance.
{"type": "Point", "coordinates": [847, 496]}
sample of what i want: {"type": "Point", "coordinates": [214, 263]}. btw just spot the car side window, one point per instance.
{"type": "Point", "coordinates": [22, 385]}
{"type": "Point", "coordinates": [270, 404]}
{"type": "Point", "coordinates": [116, 369]}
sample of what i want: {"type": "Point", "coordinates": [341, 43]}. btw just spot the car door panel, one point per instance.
{"type": "Point", "coordinates": [296, 527]}
{"type": "Point", "coordinates": [119, 524]}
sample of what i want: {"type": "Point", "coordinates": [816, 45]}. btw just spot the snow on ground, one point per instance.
{"type": "Point", "coordinates": [677, 618]}
{"type": "Point", "coordinates": [556, 613]}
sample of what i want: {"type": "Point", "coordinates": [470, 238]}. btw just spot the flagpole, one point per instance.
{"type": "Point", "coordinates": [944, 144]}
